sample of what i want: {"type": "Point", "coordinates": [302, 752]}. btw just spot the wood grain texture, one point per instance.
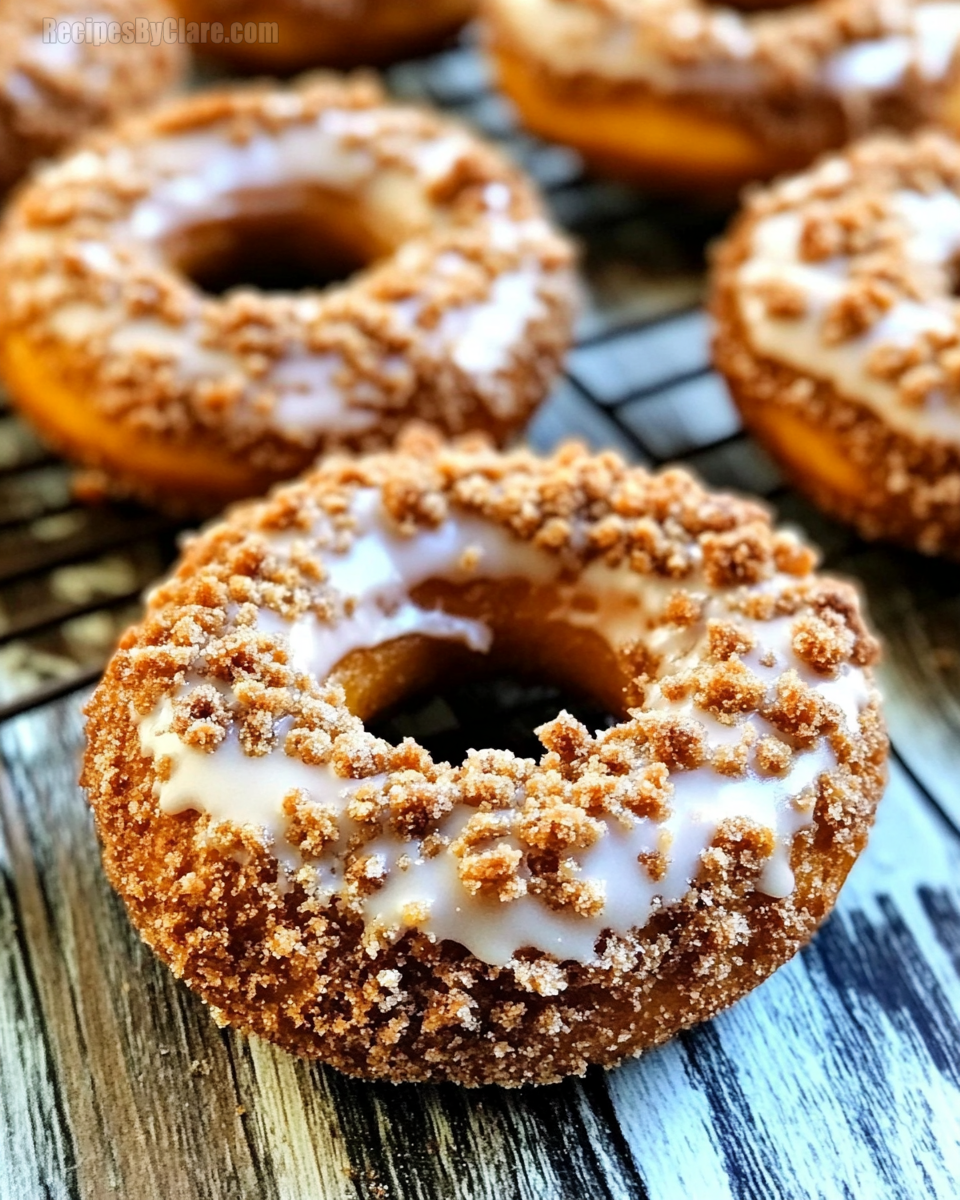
{"type": "Point", "coordinates": [839, 1077]}
{"type": "Point", "coordinates": [155, 1101]}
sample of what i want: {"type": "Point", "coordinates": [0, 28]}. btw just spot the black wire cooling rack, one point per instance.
{"type": "Point", "coordinates": [638, 380]}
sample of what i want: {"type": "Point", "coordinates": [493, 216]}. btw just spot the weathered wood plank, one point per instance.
{"type": "Point", "coordinates": [146, 1084]}
{"type": "Point", "coordinates": [432, 1143]}
{"type": "Point", "coordinates": [841, 1075]}
{"type": "Point", "coordinates": [294, 1127]}
{"type": "Point", "coordinates": [838, 1078]}
{"type": "Point", "coordinates": [833, 1079]}
{"type": "Point", "coordinates": [158, 1102]}
{"type": "Point", "coordinates": [36, 1156]}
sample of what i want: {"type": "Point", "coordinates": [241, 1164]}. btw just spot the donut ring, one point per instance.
{"type": "Point", "coordinates": [501, 920]}
{"type": "Point", "coordinates": [461, 318]}
{"type": "Point", "coordinates": [685, 94]}
{"type": "Point", "coordinates": [839, 333]}
{"type": "Point", "coordinates": [327, 33]}
{"type": "Point", "coordinates": [53, 90]}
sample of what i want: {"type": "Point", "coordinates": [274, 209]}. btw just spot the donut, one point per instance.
{"type": "Point", "coordinates": [60, 74]}
{"type": "Point", "coordinates": [838, 332]}
{"type": "Point", "coordinates": [290, 35]}
{"type": "Point", "coordinates": [503, 919]}
{"type": "Point", "coordinates": [114, 343]}
{"type": "Point", "coordinates": [682, 95]}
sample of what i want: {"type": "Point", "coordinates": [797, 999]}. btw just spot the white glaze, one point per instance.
{"type": "Point", "coordinates": [932, 223]}
{"type": "Point", "coordinates": [572, 38]}
{"type": "Point", "coordinates": [55, 58]}
{"type": "Point", "coordinates": [380, 570]}
{"type": "Point", "coordinates": [206, 173]}
{"type": "Point", "coordinates": [204, 177]}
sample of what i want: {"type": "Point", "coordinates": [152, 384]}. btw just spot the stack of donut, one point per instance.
{"type": "Point", "coordinates": [502, 919]}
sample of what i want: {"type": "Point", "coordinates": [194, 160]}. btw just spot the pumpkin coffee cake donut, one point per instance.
{"type": "Point", "coordinates": [67, 65]}
{"type": "Point", "coordinates": [460, 313]}
{"type": "Point", "coordinates": [689, 94]}
{"type": "Point", "coordinates": [838, 330]}
{"type": "Point", "coordinates": [498, 920]}
{"type": "Point", "coordinates": [324, 33]}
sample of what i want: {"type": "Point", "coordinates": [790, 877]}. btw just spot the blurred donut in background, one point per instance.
{"type": "Point", "coordinates": [281, 36]}
{"type": "Point", "coordinates": [67, 65]}
{"type": "Point", "coordinates": [201, 299]}
{"type": "Point", "coordinates": [837, 330]}
{"type": "Point", "coordinates": [684, 95]}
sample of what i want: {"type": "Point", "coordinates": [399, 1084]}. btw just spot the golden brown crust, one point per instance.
{"type": "Point", "coordinates": [52, 93]}
{"type": "Point", "coordinates": [765, 75]}
{"type": "Point", "coordinates": [327, 33]}
{"type": "Point", "coordinates": [895, 483]}
{"type": "Point", "coordinates": [301, 970]}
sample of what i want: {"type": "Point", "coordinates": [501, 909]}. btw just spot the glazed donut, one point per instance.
{"type": "Point", "coordinates": [685, 94]}
{"type": "Point", "coordinates": [499, 920]}
{"type": "Point", "coordinates": [838, 331]}
{"type": "Point", "coordinates": [324, 33]}
{"type": "Point", "coordinates": [60, 74]}
{"type": "Point", "coordinates": [461, 317]}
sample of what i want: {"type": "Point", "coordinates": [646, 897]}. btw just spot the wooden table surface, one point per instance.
{"type": "Point", "coordinates": [838, 1078]}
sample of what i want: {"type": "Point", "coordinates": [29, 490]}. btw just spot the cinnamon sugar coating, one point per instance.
{"type": "Point", "coordinates": [461, 316]}
{"type": "Point", "coordinates": [870, 284]}
{"type": "Point", "coordinates": [53, 93]}
{"type": "Point", "coordinates": [277, 954]}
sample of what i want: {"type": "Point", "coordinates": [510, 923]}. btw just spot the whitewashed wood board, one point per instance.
{"type": "Point", "coordinates": [839, 1077]}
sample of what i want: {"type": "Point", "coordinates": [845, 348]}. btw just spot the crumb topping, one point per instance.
{"type": "Point", "coordinates": [790, 44]}
{"type": "Point", "coordinates": [862, 250]}
{"type": "Point", "coordinates": [833, 296]}
{"type": "Point", "coordinates": [794, 75]}
{"type": "Point", "coordinates": [664, 923]}
{"type": "Point", "coordinates": [517, 830]}
{"type": "Point", "coordinates": [460, 318]}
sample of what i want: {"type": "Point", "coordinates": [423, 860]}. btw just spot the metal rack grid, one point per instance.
{"type": "Point", "coordinates": [638, 380]}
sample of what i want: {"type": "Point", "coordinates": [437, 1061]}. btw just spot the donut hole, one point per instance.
{"type": "Point", "coordinates": [285, 241]}
{"type": "Point", "coordinates": [497, 709]}
{"type": "Point", "coordinates": [451, 698]}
